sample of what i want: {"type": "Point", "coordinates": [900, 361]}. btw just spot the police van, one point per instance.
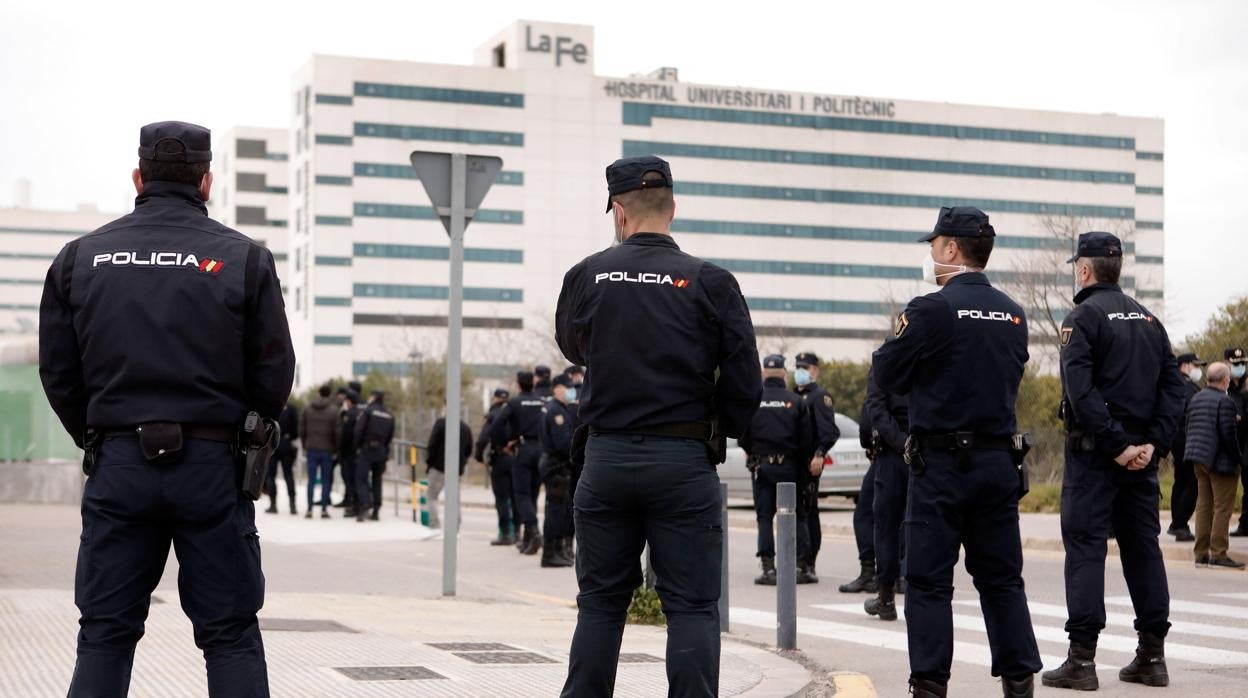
{"type": "Point", "coordinates": [842, 477]}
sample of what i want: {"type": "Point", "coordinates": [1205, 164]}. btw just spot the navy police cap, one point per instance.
{"type": "Point", "coordinates": [1190, 359]}
{"type": "Point", "coordinates": [524, 376]}
{"type": "Point", "coordinates": [1097, 244]}
{"type": "Point", "coordinates": [806, 359]}
{"type": "Point", "coordinates": [502, 392]}
{"type": "Point", "coordinates": [627, 174]}
{"type": "Point", "coordinates": [960, 222]}
{"type": "Point", "coordinates": [196, 142]}
{"type": "Point", "coordinates": [542, 371]}
{"type": "Point", "coordinates": [1235, 355]}
{"type": "Point", "coordinates": [563, 379]}
{"type": "Point", "coordinates": [773, 361]}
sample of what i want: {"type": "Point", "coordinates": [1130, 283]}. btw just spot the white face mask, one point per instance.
{"type": "Point", "coordinates": [617, 231]}
{"type": "Point", "coordinates": [1195, 374]}
{"type": "Point", "coordinates": [929, 270]}
{"type": "Point", "coordinates": [1238, 371]}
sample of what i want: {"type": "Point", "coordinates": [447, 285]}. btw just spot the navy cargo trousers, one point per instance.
{"type": "Point", "coordinates": [132, 511]}
{"type": "Point", "coordinates": [636, 490]}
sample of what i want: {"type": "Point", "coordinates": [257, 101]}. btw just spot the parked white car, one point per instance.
{"type": "Point", "coordinates": [842, 478]}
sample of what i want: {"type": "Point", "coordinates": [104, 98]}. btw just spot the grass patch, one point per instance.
{"type": "Point", "coordinates": [645, 608]}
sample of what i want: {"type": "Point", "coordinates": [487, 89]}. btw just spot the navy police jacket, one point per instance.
{"type": "Point", "coordinates": [822, 411]}
{"type": "Point", "coordinates": [1119, 374]}
{"type": "Point", "coordinates": [782, 426]}
{"type": "Point", "coordinates": [887, 413]}
{"type": "Point", "coordinates": [559, 422]}
{"type": "Point", "coordinates": [959, 355]}
{"type": "Point", "coordinates": [521, 417]}
{"type": "Point", "coordinates": [666, 338]}
{"type": "Point", "coordinates": [163, 315]}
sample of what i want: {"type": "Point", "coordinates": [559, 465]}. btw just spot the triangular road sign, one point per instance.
{"type": "Point", "coordinates": [434, 172]}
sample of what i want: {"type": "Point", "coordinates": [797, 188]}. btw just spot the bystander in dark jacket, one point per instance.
{"type": "Point", "coordinates": [1214, 453]}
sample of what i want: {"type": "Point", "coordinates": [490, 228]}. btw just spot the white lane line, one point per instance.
{"type": "Point", "coordinates": [1194, 607]}
{"type": "Point", "coordinates": [968, 652]}
{"type": "Point", "coordinates": [1127, 620]}
{"type": "Point", "coordinates": [1239, 596]}
{"type": "Point", "coordinates": [1106, 642]}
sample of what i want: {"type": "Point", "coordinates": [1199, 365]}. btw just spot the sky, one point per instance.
{"type": "Point", "coordinates": [77, 79]}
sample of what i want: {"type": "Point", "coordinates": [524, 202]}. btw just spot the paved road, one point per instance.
{"type": "Point", "coordinates": [1208, 647]}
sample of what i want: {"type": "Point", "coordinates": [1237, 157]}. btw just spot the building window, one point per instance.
{"type": "Point", "coordinates": [249, 181]}
{"type": "Point", "coordinates": [251, 148]}
{"type": "Point", "coordinates": [334, 99]}
{"type": "Point", "coordinates": [433, 133]}
{"type": "Point", "coordinates": [332, 339]}
{"type": "Point", "coordinates": [327, 261]}
{"type": "Point", "coordinates": [372, 210]}
{"type": "Point", "coordinates": [333, 180]}
{"type": "Point", "coordinates": [439, 94]}
{"type": "Point", "coordinates": [500, 56]}
{"type": "Point", "coordinates": [325, 139]}
{"type": "Point", "coordinates": [298, 299]}
{"type": "Point", "coordinates": [471, 254]}
{"type": "Point", "coordinates": [333, 220]}
{"type": "Point", "coordinates": [250, 215]}
{"type": "Point", "coordinates": [438, 293]}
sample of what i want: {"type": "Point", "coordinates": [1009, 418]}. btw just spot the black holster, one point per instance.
{"type": "Point", "coordinates": [90, 451]}
{"type": "Point", "coordinates": [259, 439]}
{"type": "Point", "coordinates": [913, 455]}
{"type": "Point", "coordinates": [1019, 448]}
{"type": "Point", "coordinates": [576, 453]}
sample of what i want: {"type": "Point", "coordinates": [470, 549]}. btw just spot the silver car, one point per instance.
{"type": "Point", "coordinates": [842, 478]}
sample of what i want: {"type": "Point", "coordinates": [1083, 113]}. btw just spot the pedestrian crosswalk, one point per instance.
{"type": "Point", "coordinates": [1204, 632]}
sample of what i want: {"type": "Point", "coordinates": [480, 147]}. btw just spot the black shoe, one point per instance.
{"type": "Point", "coordinates": [552, 555]}
{"type": "Point", "coordinates": [1226, 563]}
{"type": "Point", "coordinates": [768, 577]}
{"type": "Point", "coordinates": [359, 517]}
{"type": "Point", "coordinates": [293, 509]}
{"type": "Point", "coordinates": [1077, 672]}
{"type": "Point", "coordinates": [308, 515]}
{"type": "Point", "coordinates": [1024, 687]}
{"type": "Point", "coordinates": [324, 513]}
{"type": "Point", "coordinates": [1184, 536]}
{"type": "Point", "coordinates": [504, 539]}
{"type": "Point", "coordinates": [1174, 529]}
{"type": "Point", "coordinates": [532, 541]}
{"type": "Point", "coordinates": [272, 507]}
{"type": "Point", "coordinates": [865, 582]}
{"type": "Point", "coordinates": [1149, 665]}
{"type": "Point", "coordinates": [340, 505]}
{"type": "Point", "coordinates": [1202, 561]}
{"type": "Point", "coordinates": [374, 516]}
{"type": "Point", "coordinates": [569, 548]}
{"type": "Point", "coordinates": [1240, 531]}
{"type": "Point", "coordinates": [884, 605]}
{"type": "Point", "coordinates": [348, 513]}
{"type": "Point", "coordinates": [806, 574]}
{"type": "Point", "coordinates": [925, 688]}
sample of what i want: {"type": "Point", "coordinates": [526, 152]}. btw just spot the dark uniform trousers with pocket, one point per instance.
{"type": "Point", "coordinates": [662, 491]}
{"type": "Point", "coordinates": [766, 477]}
{"type": "Point", "coordinates": [967, 499]}
{"type": "Point", "coordinates": [131, 512]}
{"type": "Point", "coordinates": [892, 479]}
{"type": "Point", "coordinates": [1097, 493]}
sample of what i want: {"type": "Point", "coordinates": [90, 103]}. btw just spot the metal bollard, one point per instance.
{"type": "Point", "coordinates": [723, 566]}
{"type": "Point", "coordinates": [786, 565]}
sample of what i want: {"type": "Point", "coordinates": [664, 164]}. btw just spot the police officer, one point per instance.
{"type": "Point", "coordinates": [158, 333]}
{"type": "Point", "coordinates": [864, 527]}
{"type": "Point", "coordinates": [350, 416]}
{"type": "Point", "coordinates": [1238, 359]}
{"type": "Point", "coordinates": [541, 385]}
{"type": "Point", "coordinates": [498, 464]}
{"type": "Point", "coordinates": [515, 431]}
{"type": "Point", "coordinates": [888, 415]}
{"type": "Point", "coordinates": [1183, 491]}
{"type": "Point", "coordinates": [374, 430]}
{"type": "Point", "coordinates": [822, 410]}
{"type": "Point", "coordinates": [669, 349]}
{"type": "Point", "coordinates": [285, 455]}
{"type": "Point", "coordinates": [959, 354]}
{"type": "Point", "coordinates": [559, 422]}
{"type": "Point", "coordinates": [776, 445]}
{"type": "Point", "coordinates": [1122, 400]}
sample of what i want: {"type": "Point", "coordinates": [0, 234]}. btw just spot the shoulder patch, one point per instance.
{"type": "Point", "coordinates": [901, 325]}
{"type": "Point", "coordinates": [1066, 333]}
{"type": "Point", "coordinates": [827, 400]}
{"type": "Point", "coordinates": [559, 420]}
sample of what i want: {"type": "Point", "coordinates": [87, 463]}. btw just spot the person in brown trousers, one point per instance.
{"type": "Point", "coordinates": [1213, 450]}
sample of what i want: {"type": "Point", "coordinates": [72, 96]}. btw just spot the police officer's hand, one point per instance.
{"type": "Point", "coordinates": [816, 466]}
{"type": "Point", "coordinates": [1127, 458]}
{"type": "Point", "coordinates": [1144, 459]}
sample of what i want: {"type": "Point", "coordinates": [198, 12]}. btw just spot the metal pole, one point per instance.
{"type": "Point", "coordinates": [398, 458]}
{"type": "Point", "coordinates": [420, 396]}
{"type": "Point", "coordinates": [786, 565]}
{"type": "Point", "coordinates": [723, 566]}
{"type": "Point", "coordinates": [450, 527]}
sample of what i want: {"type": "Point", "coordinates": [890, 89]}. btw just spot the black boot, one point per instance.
{"type": "Point", "coordinates": [376, 515]}
{"type": "Point", "coordinates": [884, 605]}
{"type": "Point", "coordinates": [349, 512]}
{"type": "Point", "coordinates": [569, 548]}
{"type": "Point", "coordinates": [1077, 672]}
{"type": "Point", "coordinates": [532, 540]}
{"type": "Point", "coordinates": [504, 538]}
{"type": "Point", "coordinates": [768, 577]}
{"type": "Point", "coordinates": [1149, 665]}
{"type": "Point", "coordinates": [864, 583]}
{"type": "Point", "coordinates": [806, 573]}
{"type": "Point", "coordinates": [1024, 687]}
{"type": "Point", "coordinates": [293, 508]}
{"type": "Point", "coordinates": [272, 505]}
{"type": "Point", "coordinates": [926, 688]}
{"type": "Point", "coordinates": [552, 555]}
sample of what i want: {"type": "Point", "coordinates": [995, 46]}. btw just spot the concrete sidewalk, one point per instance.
{"type": "Point", "coordinates": [387, 637]}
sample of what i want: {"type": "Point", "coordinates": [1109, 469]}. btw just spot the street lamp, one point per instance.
{"type": "Point", "coordinates": [418, 363]}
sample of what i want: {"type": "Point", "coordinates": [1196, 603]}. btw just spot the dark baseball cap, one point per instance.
{"type": "Point", "coordinates": [627, 174]}
{"type": "Point", "coordinates": [563, 379]}
{"type": "Point", "coordinates": [773, 361]}
{"type": "Point", "coordinates": [1190, 358]}
{"type": "Point", "coordinates": [574, 368]}
{"type": "Point", "coordinates": [1235, 355]}
{"type": "Point", "coordinates": [1097, 244]}
{"type": "Point", "coordinates": [524, 376]}
{"type": "Point", "coordinates": [502, 392]}
{"type": "Point", "coordinates": [960, 222]}
{"type": "Point", "coordinates": [196, 142]}
{"type": "Point", "coordinates": [541, 370]}
{"type": "Point", "coordinates": [806, 359]}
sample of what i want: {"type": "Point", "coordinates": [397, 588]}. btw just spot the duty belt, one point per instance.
{"type": "Point", "coordinates": [964, 440]}
{"type": "Point", "coordinates": [209, 432]}
{"type": "Point", "coordinates": [700, 431]}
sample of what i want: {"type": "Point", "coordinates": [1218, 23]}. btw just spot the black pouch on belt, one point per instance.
{"type": "Point", "coordinates": [580, 437]}
{"type": "Point", "coordinates": [161, 442]}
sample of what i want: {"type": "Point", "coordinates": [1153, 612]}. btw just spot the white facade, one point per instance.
{"type": "Point", "coordinates": [814, 201]}
{"type": "Point", "coordinates": [29, 240]}
{"type": "Point", "coordinates": [249, 190]}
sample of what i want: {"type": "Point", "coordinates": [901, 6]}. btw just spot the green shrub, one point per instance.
{"type": "Point", "coordinates": [645, 608]}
